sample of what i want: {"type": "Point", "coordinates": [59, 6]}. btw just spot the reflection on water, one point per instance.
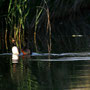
{"type": "Point", "coordinates": [67, 72]}
{"type": "Point", "coordinates": [15, 58]}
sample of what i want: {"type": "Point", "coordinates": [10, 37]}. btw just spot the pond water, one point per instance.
{"type": "Point", "coordinates": [65, 71]}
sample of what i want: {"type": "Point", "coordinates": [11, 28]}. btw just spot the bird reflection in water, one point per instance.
{"type": "Point", "coordinates": [15, 59]}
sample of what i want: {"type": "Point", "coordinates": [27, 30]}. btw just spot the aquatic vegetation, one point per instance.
{"type": "Point", "coordinates": [48, 26]}
{"type": "Point", "coordinates": [40, 22]}
{"type": "Point", "coordinates": [17, 13]}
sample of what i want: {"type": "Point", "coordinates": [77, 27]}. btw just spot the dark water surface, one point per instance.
{"type": "Point", "coordinates": [65, 71]}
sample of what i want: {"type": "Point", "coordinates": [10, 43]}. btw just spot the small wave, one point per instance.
{"type": "Point", "coordinates": [62, 54]}
{"type": "Point", "coordinates": [64, 59]}
{"type": "Point", "coordinates": [81, 54]}
{"type": "Point", "coordinates": [3, 54]}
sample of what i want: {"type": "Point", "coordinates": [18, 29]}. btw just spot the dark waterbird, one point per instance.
{"type": "Point", "coordinates": [24, 51]}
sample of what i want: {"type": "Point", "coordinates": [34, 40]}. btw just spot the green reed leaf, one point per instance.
{"type": "Point", "coordinates": [9, 5]}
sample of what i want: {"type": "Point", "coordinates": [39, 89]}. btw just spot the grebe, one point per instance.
{"type": "Point", "coordinates": [24, 51]}
{"type": "Point", "coordinates": [15, 50]}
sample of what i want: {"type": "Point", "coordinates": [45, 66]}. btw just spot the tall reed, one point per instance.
{"type": "Point", "coordinates": [17, 13]}
{"type": "Point", "coordinates": [39, 12]}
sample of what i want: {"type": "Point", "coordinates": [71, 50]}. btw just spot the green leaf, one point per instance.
{"type": "Point", "coordinates": [9, 5]}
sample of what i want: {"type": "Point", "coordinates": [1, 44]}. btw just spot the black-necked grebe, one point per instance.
{"type": "Point", "coordinates": [24, 51]}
